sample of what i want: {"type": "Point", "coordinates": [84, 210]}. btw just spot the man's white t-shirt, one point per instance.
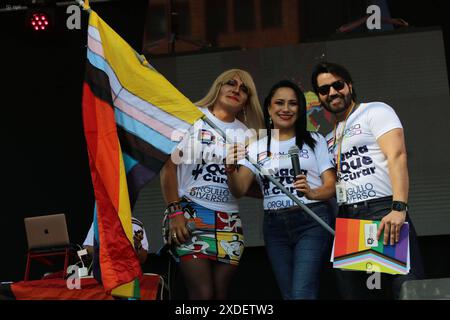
{"type": "Point", "coordinates": [364, 167]}
{"type": "Point", "coordinates": [137, 226]}
{"type": "Point", "coordinates": [201, 173]}
{"type": "Point", "coordinates": [279, 165]}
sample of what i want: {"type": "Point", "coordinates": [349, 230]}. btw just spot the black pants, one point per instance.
{"type": "Point", "coordinates": [353, 284]}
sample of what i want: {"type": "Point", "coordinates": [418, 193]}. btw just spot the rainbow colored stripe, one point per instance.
{"type": "Point", "coordinates": [130, 114]}
{"type": "Point", "coordinates": [351, 252]}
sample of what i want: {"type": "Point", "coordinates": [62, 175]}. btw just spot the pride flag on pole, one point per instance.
{"type": "Point", "coordinates": [130, 114]}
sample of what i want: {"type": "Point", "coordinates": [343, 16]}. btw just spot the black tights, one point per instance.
{"type": "Point", "coordinates": [206, 279]}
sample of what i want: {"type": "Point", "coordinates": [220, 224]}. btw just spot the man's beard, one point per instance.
{"type": "Point", "coordinates": [344, 105]}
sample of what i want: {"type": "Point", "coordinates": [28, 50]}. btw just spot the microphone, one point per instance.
{"type": "Point", "coordinates": [295, 160]}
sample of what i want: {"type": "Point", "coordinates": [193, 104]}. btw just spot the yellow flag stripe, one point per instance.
{"type": "Point", "coordinates": [125, 290]}
{"type": "Point", "coordinates": [124, 201]}
{"type": "Point", "coordinates": [141, 80]}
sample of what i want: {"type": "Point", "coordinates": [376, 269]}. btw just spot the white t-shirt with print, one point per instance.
{"type": "Point", "coordinates": [137, 226]}
{"type": "Point", "coordinates": [312, 164]}
{"type": "Point", "coordinates": [364, 167]}
{"type": "Point", "coordinates": [201, 174]}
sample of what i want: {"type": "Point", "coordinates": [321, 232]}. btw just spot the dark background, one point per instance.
{"type": "Point", "coordinates": [45, 166]}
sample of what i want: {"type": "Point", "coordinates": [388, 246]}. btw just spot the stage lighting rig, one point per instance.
{"type": "Point", "coordinates": [40, 21]}
{"type": "Point", "coordinates": [40, 15]}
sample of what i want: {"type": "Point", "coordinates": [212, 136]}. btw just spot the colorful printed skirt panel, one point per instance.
{"type": "Point", "coordinates": [215, 235]}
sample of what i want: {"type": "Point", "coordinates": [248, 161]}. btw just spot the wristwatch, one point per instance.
{"type": "Point", "coordinates": [399, 206]}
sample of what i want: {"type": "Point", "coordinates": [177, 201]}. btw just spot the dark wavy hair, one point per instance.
{"type": "Point", "coordinates": [302, 135]}
{"type": "Point", "coordinates": [333, 68]}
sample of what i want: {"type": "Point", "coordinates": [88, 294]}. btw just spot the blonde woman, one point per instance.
{"type": "Point", "coordinates": [205, 229]}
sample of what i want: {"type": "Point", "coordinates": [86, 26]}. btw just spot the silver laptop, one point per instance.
{"type": "Point", "coordinates": [48, 231]}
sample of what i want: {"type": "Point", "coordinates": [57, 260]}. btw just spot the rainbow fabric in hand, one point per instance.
{"type": "Point", "coordinates": [357, 248]}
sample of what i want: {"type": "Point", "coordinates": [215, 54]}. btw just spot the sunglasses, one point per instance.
{"type": "Point", "coordinates": [325, 89]}
{"type": "Point", "coordinates": [242, 87]}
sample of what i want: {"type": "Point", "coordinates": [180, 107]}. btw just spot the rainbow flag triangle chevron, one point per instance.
{"type": "Point", "coordinates": [356, 248]}
{"type": "Point", "coordinates": [132, 117]}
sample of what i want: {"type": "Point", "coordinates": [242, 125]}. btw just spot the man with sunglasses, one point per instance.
{"type": "Point", "coordinates": [368, 148]}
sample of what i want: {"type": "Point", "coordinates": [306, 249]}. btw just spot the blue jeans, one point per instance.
{"type": "Point", "coordinates": [297, 248]}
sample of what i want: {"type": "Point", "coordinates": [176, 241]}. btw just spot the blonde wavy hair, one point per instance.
{"type": "Point", "coordinates": [253, 116]}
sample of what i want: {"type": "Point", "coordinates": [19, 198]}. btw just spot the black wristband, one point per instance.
{"type": "Point", "coordinates": [399, 206]}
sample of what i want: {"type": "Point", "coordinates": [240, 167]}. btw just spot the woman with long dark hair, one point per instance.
{"type": "Point", "coordinates": [296, 244]}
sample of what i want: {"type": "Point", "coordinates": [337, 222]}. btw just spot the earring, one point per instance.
{"type": "Point", "coordinates": [270, 122]}
{"type": "Point", "coordinates": [245, 115]}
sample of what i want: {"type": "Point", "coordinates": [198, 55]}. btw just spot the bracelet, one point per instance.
{"type": "Point", "coordinates": [175, 214]}
{"type": "Point", "coordinates": [174, 207]}
{"type": "Point", "coordinates": [173, 203]}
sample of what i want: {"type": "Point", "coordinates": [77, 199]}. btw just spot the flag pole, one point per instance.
{"type": "Point", "coordinates": [83, 5]}
{"type": "Point", "coordinates": [141, 58]}
{"type": "Point", "coordinates": [274, 181]}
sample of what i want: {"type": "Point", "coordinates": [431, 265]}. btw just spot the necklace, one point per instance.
{"type": "Point", "coordinates": [338, 140]}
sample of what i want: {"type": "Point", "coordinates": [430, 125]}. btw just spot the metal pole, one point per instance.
{"type": "Point", "coordinates": [275, 182]}
{"type": "Point", "coordinates": [258, 168]}
{"type": "Point", "coordinates": [81, 4]}
{"type": "Point", "coordinates": [141, 58]}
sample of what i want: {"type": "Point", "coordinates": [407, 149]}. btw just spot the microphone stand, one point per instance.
{"type": "Point", "coordinates": [254, 163]}
{"type": "Point", "coordinates": [275, 182]}
{"type": "Point", "coordinates": [172, 35]}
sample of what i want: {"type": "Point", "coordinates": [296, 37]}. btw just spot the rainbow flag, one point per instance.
{"type": "Point", "coordinates": [356, 248]}
{"type": "Point", "coordinates": [130, 114]}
